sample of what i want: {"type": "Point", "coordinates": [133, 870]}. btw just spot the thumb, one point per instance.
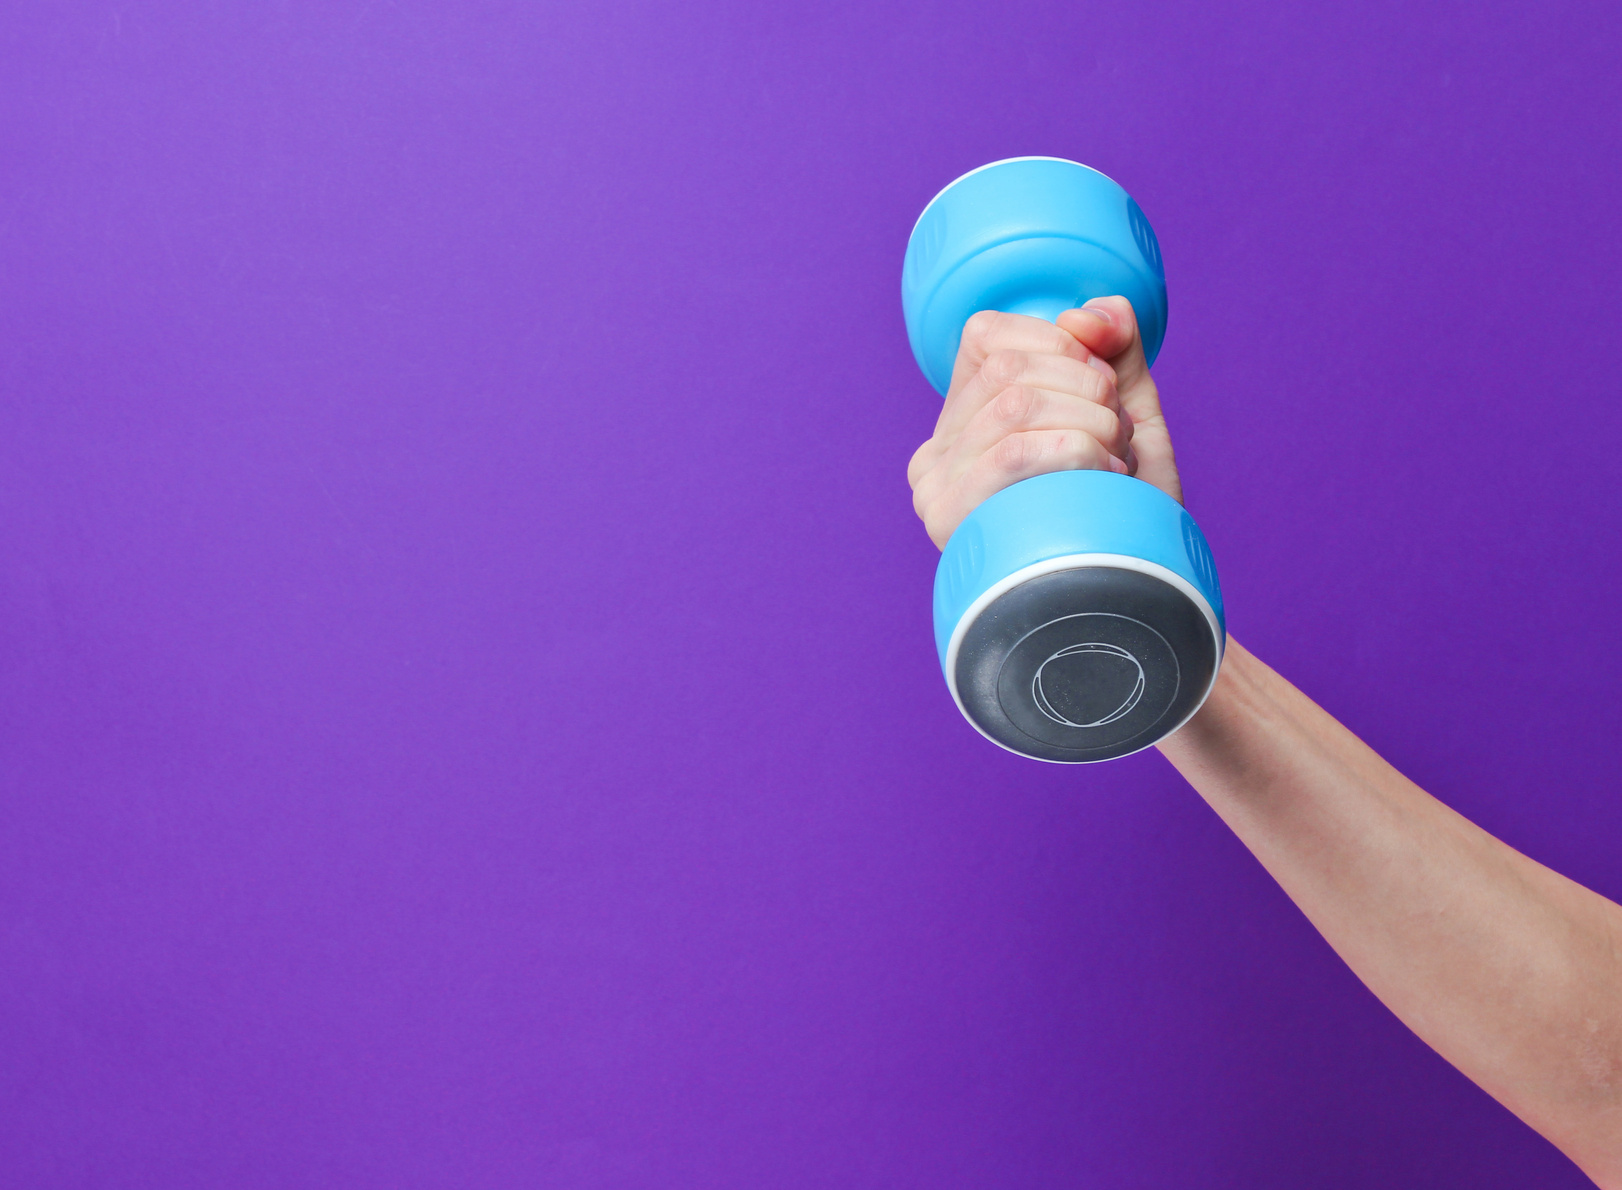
{"type": "Point", "coordinates": [1108, 327]}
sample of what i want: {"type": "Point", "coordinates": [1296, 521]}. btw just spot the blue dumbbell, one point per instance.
{"type": "Point", "coordinates": [1077, 614]}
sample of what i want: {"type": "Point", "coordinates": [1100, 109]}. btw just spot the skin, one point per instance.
{"type": "Point", "coordinates": [1510, 971]}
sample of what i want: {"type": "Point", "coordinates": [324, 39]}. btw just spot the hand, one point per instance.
{"type": "Point", "coordinates": [1028, 397]}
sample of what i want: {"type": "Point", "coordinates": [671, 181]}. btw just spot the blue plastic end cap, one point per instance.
{"type": "Point", "coordinates": [1064, 514]}
{"type": "Point", "coordinates": [1030, 235]}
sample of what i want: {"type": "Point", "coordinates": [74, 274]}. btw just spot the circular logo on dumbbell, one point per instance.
{"type": "Point", "coordinates": [927, 241]}
{"type": "Point", "coordinates": [960, 564]}
{"type": "Point", "coordinates": [1129, 678]}
{"type": "Point", "coordinates": [1199, 554]}
{"type": "Point", "coordinates": [1144, 235]}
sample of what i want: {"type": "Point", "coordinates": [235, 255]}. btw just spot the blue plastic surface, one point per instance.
{"type": "Point", "coordinates": [1039, 235]}
{"type": "Point", "coordinates": [1032, 235]}
{"type": "Point", "coordinates": [1068, 512]}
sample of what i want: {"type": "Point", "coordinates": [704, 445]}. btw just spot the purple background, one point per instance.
{"type": "Point", "coordinates": [469, 713]}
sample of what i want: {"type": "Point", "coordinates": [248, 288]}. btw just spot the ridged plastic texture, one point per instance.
{"type": "Point", "coordinates": [1032, 235]}
{"type": "Point", "coordinates": [1068, 512]}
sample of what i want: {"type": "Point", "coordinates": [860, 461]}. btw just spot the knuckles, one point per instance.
{"type": "Point", "coordinates": [1020, 409]}
{"type": "Point", "coordinates": [1036, 452]}
{"type": "Point", "coordinates": [985, 330]}
{"type": "Point", "coordinates": [1012, 453]}
{"type": "Point", "coordinates": [944, 473]}
{"type": "Point", "coordinates": [980, 327]}
{"type": "Point", "coordinates": [1099, 388]}
{"type": "Point", "coordinates": [1015, 407]}
{"type": "Point", "coordinates": [1003, 368]}
{"type": "Point", "coordinates": [918, 466]}
{"type": "Point", "coordinates": [1112, 429]}
{"type": "Point", "coordinates": [1069, 449]}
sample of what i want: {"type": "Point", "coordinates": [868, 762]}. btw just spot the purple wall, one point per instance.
{"type": "Point", "coordinates": [469, 715]}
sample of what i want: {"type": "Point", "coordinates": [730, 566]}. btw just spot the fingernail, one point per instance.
{"type": "Point", "coordinates": [1100, 366]}
{"type": "Point", "coordinates": [1117, 466]}
{"type": "Point", "coordinates": [1100, 313]}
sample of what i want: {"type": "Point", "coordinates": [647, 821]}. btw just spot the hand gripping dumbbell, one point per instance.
{"type": "Point", "coordinates": [1077, 614]}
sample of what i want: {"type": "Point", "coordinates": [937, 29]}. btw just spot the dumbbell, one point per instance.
{"type": "Point", "coordinates": [1077, 614]}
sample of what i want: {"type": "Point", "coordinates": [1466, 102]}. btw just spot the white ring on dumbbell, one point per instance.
{"type": "Point", "coordinates": [1076, 562]}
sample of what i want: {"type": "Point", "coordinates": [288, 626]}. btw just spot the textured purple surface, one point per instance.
{"type": "Point", "coordinates": [469, 715]}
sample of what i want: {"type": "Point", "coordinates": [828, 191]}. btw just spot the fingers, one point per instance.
{"type": "Point", "coordinates": [1029, 397]}
{"type": "Point", "coordinates": [1015, 457]}
{"type": "Point", "coordinates": [1073, 370]}
{"type": "Point", "coordinates": [1091, 380]}
{"type": "Point", "coordinates": [1022, 409]}
{"type": "Point", "coordinates": [1108, 327]}
{"type": "Point", "coordinates": [989, 332]}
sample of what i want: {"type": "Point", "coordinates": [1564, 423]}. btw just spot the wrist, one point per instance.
{"type": "Point", "coordinates": [1212, 735]}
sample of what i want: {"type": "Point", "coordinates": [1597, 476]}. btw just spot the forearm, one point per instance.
{"type": "Point", "coordinates": [1506, 968]}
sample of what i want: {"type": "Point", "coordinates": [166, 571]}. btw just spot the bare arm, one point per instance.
{"type": "Point", "coordinates": [1509, 970]}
